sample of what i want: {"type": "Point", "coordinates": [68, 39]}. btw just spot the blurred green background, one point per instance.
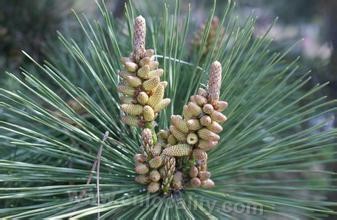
{"type": "Point", "coordinates": [31, 25]}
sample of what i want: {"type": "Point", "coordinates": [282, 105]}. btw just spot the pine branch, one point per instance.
{"type": "Point", "coordinates": [95, 166]}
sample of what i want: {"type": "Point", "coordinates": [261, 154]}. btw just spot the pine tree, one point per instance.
{"type": "Point", "coordinates": [66, 151]}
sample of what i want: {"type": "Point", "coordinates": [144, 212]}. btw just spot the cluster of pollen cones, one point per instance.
{"type": "Point", "coordinates": [177, 157]}
{"type": "Point", "coordinates": [142, 91]}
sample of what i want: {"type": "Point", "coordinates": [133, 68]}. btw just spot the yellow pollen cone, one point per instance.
{"type": "Point", "coordinates": [180, 136]}
{"type": "Point", "coordinates": [142, 98]}
{"type": "Point", "coordinates": [150, 84]}
{"type": "Point", "coordinates": [153, 187]}
{"type": "Point", "coordinates": [208, 135]}
{"type": "Point", "coordinates": [143, 72]}
{"type": "Point", "coordinates": [178, 150]}
{"type": "Point", "coordinates": [156, 162]}
{"type": "Point", "coordinates": [133, 81]}
{"type": "Point", "coordinates": [132, 109]}
{"type": "Point", "coordinates": [205, 120]}
{"type": "Point", "coordinates": [131, 120]}
{"type": "Point", "coordinates": [179, 123]}
{"type": "Point", "coordinates": [157, 96]}
{"type": "Point", "coordinates": [142, 179]}
{"type": "Point", "coordinates": [208, 109]}
{"type": "Point", "coordinates": [193, 124]}
{"type": "Point", "coordinates": [126, 90]}
{"type": "Point", "coordinates": [131, 66]}
{"type": "Point", "coordinates": [148, 113]}
{"type": "Point", "coordinates": [162, 104]}
{"type": "Point", "coordinates": [193, 171]}
{"type": "Point", "coordinates": [154, 176]}
{"type": "Point", "coordinates": [192, 138]}
{"type": "Point", "coordinates": [141, 168]}
{"type": "Point", "coordinates": [218, 117]}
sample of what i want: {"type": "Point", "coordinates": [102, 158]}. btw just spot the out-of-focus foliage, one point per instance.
{"type": "Point", "coordinates": [27, 25]}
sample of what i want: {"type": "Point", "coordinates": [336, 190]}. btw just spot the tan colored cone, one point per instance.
{"type": "Point", "coordinates": [193, 124]}
{"type": "Point", "coordinates": [133, 81]}
{"type": "Point", "coordinates": [125, 59]}
{"type": "Point", "coordinates": [221, 105]}
{"type": "Point", "coordinates": [151, 84]}
{"type": "Point", "coordinates": [207, 184]}
{"type": "Point", "coordinates": [148, 113]}
{"type": "Point", "coordinates": [199, 154]}
{"type": "Point", "coordinates": [179, 123]}
{"type": "Point", "coordinates": [131, 120]}
{"type": "Point", "coordinates": [178, 150]}
{"type": "Point", "coordinates": [124, 74]}
{"type": "Point", "coordinates": [153, 187]}
{"type": "Point", "coordinates": [214, 82]}
{"type": "Point", "coordinates": [154, 176]}
{"type": "Point", "coordinates": [208, 109]}
{"type": "Point", "coordinates": [140, 158]}
{"type": "Point", "coordinates": [180, 136]}
{"type": "Point", "coordinates": [156, 150]}
{"type": "Point", "coordinates": [218, 117]}
{"type": "Point", "coordinates": [208, 135]}
{"type": "Point", "coordinates": [141, 168]}
{"type": "Point", "coordinates": [204, 175]}
{"type": "Point", "coordinates": [157, 96]}
{"type": "Point", "coordinates": [162, 104]}
{"type": "Point", "coordinates": [202, 92]}
{"type": "Point", "coordinates": [143, 72]}
{"type": "Point", "coordinates": [139, 38]}
{"type": "Point", "coordinates": [126, 90]}
{"type": "Point", "coordinates": [207, 145]}
{"type": "Point", "coordinates": [194, 109]}
{"type": "Point", "coordinates": [195, 182]}
{"type": "Point", "coordinates": [215, 127]}
{"type": "Point", "coordinates": [187, 114]}
{"type": "Point", "coordinates": [149, 52]}
{"type": "Point", "coordinates": [200, 100]}
{"type": "Point", "coordinates": [171, 140]}
{"type": "Point", "coordinates": [142, 98]}
{"type": "Point", "coordinates": [193, 171]}
{"type": "Point", "coordinates": [163, 134]}
{"type": "Point", "coordinates": [132, 109]}
{"type": "Point", "coordinates": [153, 65]}
{"type": "Point", "coordinates": [155, 73]}
{"type": "Point", "coordinates": [177, 180]}
{"type": "Point", "coordinates": [156, 162]}
{"type": "Point", "coordinates": [192, 138]}
{"type": "Point", "coordinates": [192, 99]}
{"type": "Point", "coordinates": [131, 66]}
{"type": "Point", "coordinates": [127, 100]}
{"type": "Point", "coordinates": [145, 61]}
{"type": "Point", "coordinates": [142, 179]}
{"type": "Point", "coordinates": [205, 120]}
